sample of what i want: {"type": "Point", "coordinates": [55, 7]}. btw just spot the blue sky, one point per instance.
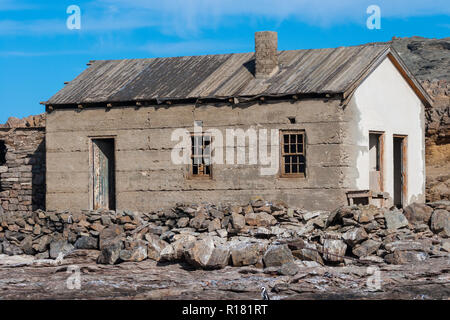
{"type": "Point", "coordinates": [38, 52]}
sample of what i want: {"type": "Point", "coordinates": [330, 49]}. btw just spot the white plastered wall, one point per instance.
{"type": "Point", "coordinates": [385, 102]}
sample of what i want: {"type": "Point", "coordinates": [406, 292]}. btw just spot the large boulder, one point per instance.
{"type": "Point", "coordinates": [395, 220]}
{"type": "Point", "coordinates": [418, 213]}
{"type": "Point", "coordinates": [86, 242]}
{"type": "Point", "coordinates": [237, 220]}
{"type": "Point", "coordinates": [440, 222]}
{"type": "Point", "coordinates": [58, 247]}
{"type": "Point", "coordinates": [334, 250]}
{"type": "Point", "coordinates": [246, 253]}
{"type": "Point", "coordinates": [155, 246]}
{"type": "Point", "coordinates": [277, 255]}
{"type": "Point", "coordinates": [134, 251]}
{"type": "Point", "coordinates": [309, 253]}
{"type": "Point", "coordinates": [206, 255]}
{"type": "Point", "coordinates": [109, 234]}
{"type": "Point", "coordinates": [404, 257]}
{"type": "Point", "coordinates": [110, 251]}
{"type": "Point", "coordinates": [11, 249]}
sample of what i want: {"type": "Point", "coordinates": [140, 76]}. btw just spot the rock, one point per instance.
{"type": "Point", "coordinates": [354, 236]}
{"type": "Point", "coordinates": [204, 254]}
{"type": "Point", "coordinates": [310, 215]}
{"type": "Point", "coordinates": [404, 257]}
{"type": "Point", "coordinates": [366, 248]}
{"type": "Point", "coordinates": [289, 269]}
{"type": "Point", "coordinates": [367, 214]}
{"type": "Point", "coordinates": [167, 253]}
{"type": "Point", "coordinates": [246, 253]}
{"type": "Point", "coordinates": [109, 234]}
{"type": "Point", "coordinates": [277, 255]}
{"type": "Point", "coordinates": [11, 249]}
{"type": "Point", "coordinates": [42, 244]}
{"type": "Point", "coordinates": [309, 253]}
{"type": "Point", "coordinates": [183, 222]}
{"type": "Point", "coordinates": [334, 250]}
{"type": "Point", "coordinates": [134, 251]}
{"type": "Point", "coordinates": [446, 245]}
{"type": "Point", "coordinates": [260, 219]}
{"type": "Point", "coordinates": [418, 213]}
{"type": "Point", "coordinates": [375, 259]}
{"type": "Point", "coordinates": [222, 233]}
{"type": "Point", "coordinates": [42, 255]}
{"type": "Point", "coordinates": [110, 251]}
{"type": "Point", "coordinates": [395, 220]}
{"type": "Point", "coordinates": [27, 245]}
{"type": "Point", "coordinates": [197, 221]}
{"type": "Point", "coordinates": [238, 221]}
{"type": "Point", "coordinates": [86, 242]}
{"type": "Point", "coordinates": [155, 246]}
{"type": "Point", "coordinates": [59, 246]}
{"type": "Point", "coordinates": [214, 225]}
{"type": "Point", "coordinates": [406, 245]}
{"type": "Point", "coordinates": [440, 222]}
{"type": "Point", "coordinates": [175, 251]}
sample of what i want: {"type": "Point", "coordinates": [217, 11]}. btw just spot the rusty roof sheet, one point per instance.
{"type": "Point", "coordinates": [315, 71]}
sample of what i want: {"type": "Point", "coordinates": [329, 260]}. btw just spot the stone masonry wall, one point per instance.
{"type": "Point", "coordinates": [22, 176]}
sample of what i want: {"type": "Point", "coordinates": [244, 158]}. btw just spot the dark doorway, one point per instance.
{"type": "Point", "coordinates": [2, 153]}
{"type": "Point", "coordinates": [400, 172]}
{"type": "Point", "coordinates": [103, 177]}
{"type": "Point", "coordinates": [376, 148]}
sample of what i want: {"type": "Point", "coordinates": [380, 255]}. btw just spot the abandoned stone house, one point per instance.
{"type": "Point", "coordinates": [349, 120]}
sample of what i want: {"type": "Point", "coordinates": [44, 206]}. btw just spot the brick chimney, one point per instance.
{"type": "Point", "coordinates": [266, 56]}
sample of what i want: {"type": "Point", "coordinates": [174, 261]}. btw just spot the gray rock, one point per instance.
{"type": "Point", "coordinates": [109, 234]}
{"type": "Point", "coordinates": [42, 244]}
{"type": "Point", "coordinates": [334, 250]}
{"type": "Point", "coordinates": [289, 269]}
{"type": "Point", "coordinates": [246, 253]}
{"type": "Point", "coordinates": [86, 242]}
{"type": "Point", "coordinates": [27, 245]}
{"type": "Point", "coordinates": [309, 253]}
{"type": "Point", "coordinates": [418, 213]}
{"type": "Point", "coordinates": [204, 254]}
{"type": "Point", "coordinates": [110, 252]}
{"type": "Point", "coordinates": [11, 249]}
{"type": "Point", "coordinates": [440, 222]}
{"type": "Point", "coordinates": [395, 220]}
{"type": "Point", "coordinates": [238, 221]}
{"type": "Point", "coordinates": [277, 255]}
{"type": "Point", "coordinates": [354, 236]}
{"type": "Point", "coordinates": [404, 257]}
{"type": "Point", "coordinates": [155, 246]}
{"type": "Point", "coordinates": [366, 248]}
{"type": "Point", "coordinates": [183, 222]}
{"type": "Point", "coordinates": [59, 246]}
{"type": "Point", "coordinates": [42, 255]}
{"type": "Point", "coordinates": [134, 251]}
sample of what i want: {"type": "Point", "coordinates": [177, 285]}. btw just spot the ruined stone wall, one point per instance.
{"type": "Point", "coordinates": [147, 179]}
{"type": "Point", "coordinates": [22, 176]}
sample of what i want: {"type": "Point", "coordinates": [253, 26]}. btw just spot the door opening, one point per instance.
{"type": "Point", "coordinates": [400, 170]}
{"type": "Point", "coordinates": [376, 150]}
{"type": "Point", "coordinates": [103, 174]}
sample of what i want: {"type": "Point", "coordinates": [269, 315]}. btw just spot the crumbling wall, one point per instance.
{"type": "Point", "coordinates": [22, 175]}
{"type": "Point", "coordinates": [147, 179]}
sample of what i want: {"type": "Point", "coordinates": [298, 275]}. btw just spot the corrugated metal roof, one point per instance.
{"type": "Point", "coordinates": [316, 71]}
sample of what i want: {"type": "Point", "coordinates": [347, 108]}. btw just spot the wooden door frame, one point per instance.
{"type": "Point", "coordinates": [91, 167]}
{"type": "Point", "coordinates": [381, 141]}
{"type": "Point", "coordinates": [404, 163]}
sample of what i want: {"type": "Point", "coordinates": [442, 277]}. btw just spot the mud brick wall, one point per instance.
{"type": "Point", "coordinates": [22, 169]}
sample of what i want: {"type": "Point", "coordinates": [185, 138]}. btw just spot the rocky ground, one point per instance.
{"type": "Point", "coordinates": [206, 251]}
{"type": "Point", "coordinates": [21, 278]}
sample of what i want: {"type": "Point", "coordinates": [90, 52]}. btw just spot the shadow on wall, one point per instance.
{"type": "Point", "coordinates": [38, 162]}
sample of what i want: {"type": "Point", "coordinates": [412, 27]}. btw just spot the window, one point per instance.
{"type": "Point", "coordinates": [201, 155]}
{"type": "Point", "coordinates": [293, 162]}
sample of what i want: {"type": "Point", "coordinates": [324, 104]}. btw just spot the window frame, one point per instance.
{"type": "Point", "coordinates": [191, 157]}
{"type": "Point", "coordinates": [283, 132]}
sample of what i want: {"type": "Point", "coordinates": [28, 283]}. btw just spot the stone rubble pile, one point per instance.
{"type": "Point", "coordinates": [260, 234]}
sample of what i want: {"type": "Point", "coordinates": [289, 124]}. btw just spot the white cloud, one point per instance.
{"type": "Point", "coordinates": [186, 18]}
